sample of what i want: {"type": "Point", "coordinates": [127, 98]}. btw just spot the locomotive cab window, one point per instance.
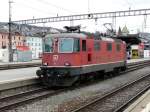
{"type": "Point", "coordinates": [48, 44]}
{"type": "Point", "coordinates": [83, 45]}
{"type": "Point", "coordinates": [109, 47]}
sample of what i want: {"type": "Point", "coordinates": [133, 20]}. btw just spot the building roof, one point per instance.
{"type": "Point", "coordinates": [84, 36]}
{"type": "Point", "coordinates": [125, 30]}
{"type": "Point", "coordinates": [13, 33]}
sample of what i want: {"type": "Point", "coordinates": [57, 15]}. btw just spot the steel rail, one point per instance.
{"type": "Point", "coordinates": [125, 105]}
{"type": "Point", "coordinates": [31, 96]}
{"type": "Point", "coordinates": [103, 97]}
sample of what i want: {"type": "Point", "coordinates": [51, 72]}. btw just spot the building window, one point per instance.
{"type": "Point", "coordinates": [14, 37]}
{"type": "Point", "coordinates": [109, 47]}
{"type": "Point", "coordinates": [19, 38]}
{"type": "Point", "coordinates": [2, 43]}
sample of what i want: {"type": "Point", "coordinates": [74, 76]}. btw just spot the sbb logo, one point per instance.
{"type": "Point", "coordinates": [55, 58]}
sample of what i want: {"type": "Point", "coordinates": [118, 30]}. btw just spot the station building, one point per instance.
{"type": "Point", "coordinates": [35, 45]}
{"type": "Point", "coordinates": [19, 49]}
{"type": "Point", "coordinates": [17, 40]}
{"type": "Point", "coordinates": [138, 45]}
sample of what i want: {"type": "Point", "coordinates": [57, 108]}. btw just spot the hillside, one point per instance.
{"type": "Point", "coordinates": [27, 30]}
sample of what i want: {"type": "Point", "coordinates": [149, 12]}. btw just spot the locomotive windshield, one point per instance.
{"type": "Point", "coordinates": [48, 45]}
{"type": "Point", "coordinates": [68, 45]}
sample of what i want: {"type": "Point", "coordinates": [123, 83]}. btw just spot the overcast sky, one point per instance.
{"type": "Point", "coordinates": [27, 9]}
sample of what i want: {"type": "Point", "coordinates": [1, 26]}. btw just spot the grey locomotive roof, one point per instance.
{"type": "Point", "coordinates": [67, 35]}
{"type": "Point", "coordinates": [107, 39]}
{"type": "Point", "coordinates": [111, 39]}
{"type": "Point", "coordinates": [80, 35]}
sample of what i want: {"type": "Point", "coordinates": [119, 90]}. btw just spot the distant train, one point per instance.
{"type": "Point", "coordinates": [70, 57]}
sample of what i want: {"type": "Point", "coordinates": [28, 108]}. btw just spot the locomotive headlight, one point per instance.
{"type": "Point", "coordinates": [45, 64]}
{"type": "Point", "coordinates": [67, 64]}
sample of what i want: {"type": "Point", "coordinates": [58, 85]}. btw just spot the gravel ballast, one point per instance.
{"type": "Point", "coordinates": [74, 97]}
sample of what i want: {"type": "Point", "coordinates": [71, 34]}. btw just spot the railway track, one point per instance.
{"type": "Point", "coordinates": [118, 99]}
{"type": "Point", "coordinates": [136, 66]}
{"type": "Point", "coordinates": [16, 100]}
{"type": "Point", "coordinates": [139, 64]}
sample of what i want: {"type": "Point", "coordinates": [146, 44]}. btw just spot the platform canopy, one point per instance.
{"type": "Point", "coordinates": [130, 39]}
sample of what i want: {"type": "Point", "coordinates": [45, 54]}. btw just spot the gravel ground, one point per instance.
{"type": "Point", "coordinates": [73, 97]}
{"type": "Point", "coordinates": [109, 104]}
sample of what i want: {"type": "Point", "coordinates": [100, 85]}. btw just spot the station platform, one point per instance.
{"type": "Point", "coordinates": [23, 76]}
{"type": "Point", "coordinates": [140, 105]}
{"type": "Point", "coordinates": [137, 60]}
{"type": "Point", "coordinates": [9, 63]}
{"type": "Point", "coordinates": [17, 77]}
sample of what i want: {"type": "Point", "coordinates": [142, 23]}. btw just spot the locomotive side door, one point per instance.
{"type": "Point", "coordinates": [89, 51]}
{"type": "Point", "coordinates": [84, 51]}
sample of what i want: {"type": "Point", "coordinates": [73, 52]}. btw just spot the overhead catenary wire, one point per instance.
{"type": "Point", "coordinates": [56, 6]}
{"type": "Point", "coordinates": [128, 3]}
{"type": "Point", "coordinates": [35, 9]}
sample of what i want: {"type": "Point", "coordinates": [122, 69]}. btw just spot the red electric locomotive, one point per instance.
{"type": "Point", "coordinates": [69, 56]}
